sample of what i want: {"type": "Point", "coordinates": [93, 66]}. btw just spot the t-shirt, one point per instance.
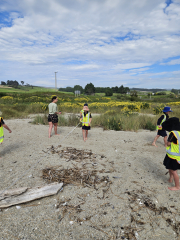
{"type": "Point", "coordinates": [52, 108]}
{"type": "Point", "coordinates": [2, 122]}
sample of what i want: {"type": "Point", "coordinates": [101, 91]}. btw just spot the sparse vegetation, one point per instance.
{"type": "Point", "coordinates": [118, 112]}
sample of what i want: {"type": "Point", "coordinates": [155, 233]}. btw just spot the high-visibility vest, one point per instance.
{"type": "Point", "coordinates": [173, 151]}
{"type": "Point", "coordinates": [85, 119]}
{"type": "Point", "coordinates": [164, 119]}
{"type": "Point", "coordinates": [1, 132]}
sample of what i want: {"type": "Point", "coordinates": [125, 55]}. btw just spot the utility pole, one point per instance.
{"type": "Point", "coordinates": [55, 81]}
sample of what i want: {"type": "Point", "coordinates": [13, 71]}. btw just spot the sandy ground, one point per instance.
{"type": "Point", "coordinates": [134, 203]}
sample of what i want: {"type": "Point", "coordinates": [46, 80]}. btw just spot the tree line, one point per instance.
{"type": "Point", "coordinates": [90, 89]}
{"type": "Point", "coordinates": [14, 83]}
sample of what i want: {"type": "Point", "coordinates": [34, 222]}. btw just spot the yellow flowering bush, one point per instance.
{"type": "Point", "coordinates": [173, 104]}
{"type": "Point", "coordinates": [106, 98]}
{"type": "Point", "coordinates": [80, 99]}
{"type": "Point", "coordinates": [7, 98]}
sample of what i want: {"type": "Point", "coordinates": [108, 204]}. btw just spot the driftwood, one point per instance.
{"type": "Point", "coordinates": [23, 195]}
{"type": "Point", "coordinates": [14, 192]}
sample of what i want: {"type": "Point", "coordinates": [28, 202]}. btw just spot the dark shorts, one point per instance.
{"type": "Point", "coordinates": [170, 163]}
{"type": "Point", "coordinates": [53, 118]}
{"type": "Point", "coordinates": [162, 133]}
{"type": "Point", "coordinates": [86, 127]}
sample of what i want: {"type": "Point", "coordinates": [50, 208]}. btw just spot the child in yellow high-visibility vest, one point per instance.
{"type": "Point", "coordinates": [86, 118]}
{"type": "Point", "coordinates": [172, 158]}
{"type": "Point", "coordinates": [2, 124]}
{"type": "Point", "coordinates": [160, 131]}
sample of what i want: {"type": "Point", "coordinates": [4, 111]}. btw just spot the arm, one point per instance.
{"type": "Point", "coordinates": [56, 110]}
{"type": "Point", "coordinates": [5, 126]}
{"type": "Point", "coordinates": [160, 120]}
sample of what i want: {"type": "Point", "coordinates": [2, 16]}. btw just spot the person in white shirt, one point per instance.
{"type": "Point", "coordinates": [53, 116]}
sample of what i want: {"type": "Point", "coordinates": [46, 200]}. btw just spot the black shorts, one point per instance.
{"type": "Point", "coordinates": [86, 127]}
{"type": "Point", "coordinates": [53, 118]}
{"type": "Point", "coordinates": [170, 163]}
{"type": "Point", "coordinates": [162, 133]}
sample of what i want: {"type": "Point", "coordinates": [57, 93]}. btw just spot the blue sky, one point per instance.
{"type": "Point", "coordinates": [109, 43]}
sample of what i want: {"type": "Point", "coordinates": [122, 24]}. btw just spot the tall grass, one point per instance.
{"type": "Point", "coordinates": [71, 120]}
{"type": "Point", "coordinates": [123, 122]}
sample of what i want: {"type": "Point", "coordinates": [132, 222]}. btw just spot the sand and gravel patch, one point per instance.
{"type": "Point", "coordinates": [116, 188]}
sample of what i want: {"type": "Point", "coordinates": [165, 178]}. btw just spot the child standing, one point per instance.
{"type": "Point", "coordinates": [86, 119]}
{"type": "Point", "coordinates": [172, 158]}
{"type": "Point", "coordinates": [53, 116]}
{"type": "Point", "coordinates": [2, 124]}
{"type": "Point", "coordinates": [160, 130]}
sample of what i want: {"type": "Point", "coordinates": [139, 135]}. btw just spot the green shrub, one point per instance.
{"type": "Point", "coordinates": [158, 109]}
{"type": "Point", "coordinates": [145, 105]}
{"type": "Point", "coordinates": [150, 126]}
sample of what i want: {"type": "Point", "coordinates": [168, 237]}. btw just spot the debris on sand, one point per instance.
{"type": "Point", "coordinates": [16, 196]}
{"type": "Point", "coordinates": [78, 176]}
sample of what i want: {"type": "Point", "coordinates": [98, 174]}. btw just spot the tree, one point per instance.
{"type": "Point", "coordinates": [115, 89]}
{"type": "Point", "coordinates": [22, 82]}
{"type": "Point", "coordinates": [13, 83]}
{"type": "Point", "coordinates": [123, 90]}
{"type": "Point", "coordinates": [134, 93]}
{"type": "Point", "coordinates": [3, 83]}
{"type": "Point", "coordinates": [78, 88]}
{"type": "Point", "coordinates": [108, 91]}
{"type": "Point", "coordinates": [175, 91]}
{"type": "Point", "coordinates": [89, 89]}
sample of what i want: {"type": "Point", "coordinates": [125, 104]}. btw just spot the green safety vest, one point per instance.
{"type": "Point", "coordinates": [173, 151]}
{"type": "Point", "coordinates": [164, 119]}
{"type": "Point", "coordinates": [85, 120]}
{"type": "Point", "coordinates": [1, 132]}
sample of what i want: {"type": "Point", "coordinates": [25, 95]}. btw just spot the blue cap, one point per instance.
{"type": "Point", "coordinates": [167, 109]}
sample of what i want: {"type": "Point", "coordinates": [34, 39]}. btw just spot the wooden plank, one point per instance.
{"type": "Point", "coordinates": [29, 195]}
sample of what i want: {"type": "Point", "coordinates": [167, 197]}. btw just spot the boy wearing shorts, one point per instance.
{"type": "Point", "coordinates": [160, 130]}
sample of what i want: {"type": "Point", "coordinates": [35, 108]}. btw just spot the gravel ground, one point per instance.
{"type": "Point", "coordinates": [132, 203]}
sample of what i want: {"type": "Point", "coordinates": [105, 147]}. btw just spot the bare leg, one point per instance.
{"type": "Point", "coordinates": [170, 176]}
{"type": "Point", "coordinates": [50, 129]}
{"type": "Point", "coordinates": [165, 141]}
{"type": "Point", "coordinates": [176, 180]}
{"type": "Point", "coordinates": [55, 128]}
{"type": "Point", "coordinates": [155, 139]}
{"type": "Point", "coordinates": [84, 134]}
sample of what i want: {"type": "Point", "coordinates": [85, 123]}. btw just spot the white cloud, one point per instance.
{"type": "Point", "coordinates": [102, 37]}
{"type": "Point", "coordinates": [172, 62]}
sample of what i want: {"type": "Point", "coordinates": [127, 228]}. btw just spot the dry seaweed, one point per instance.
{"type": "Point", "coordinates": [78, 176]}
{"type": "Point", "coordinates": [70, 153]}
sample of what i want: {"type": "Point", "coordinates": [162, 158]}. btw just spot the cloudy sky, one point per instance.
{"type": "Point", "coordinates": [134, 43]}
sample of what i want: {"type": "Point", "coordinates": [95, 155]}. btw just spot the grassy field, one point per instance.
{"type": "Point", "coordinates": [119, 112]}
{"type": "Point", "coordinates": [21, 89]}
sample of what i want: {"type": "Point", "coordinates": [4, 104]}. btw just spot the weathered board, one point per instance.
{"type": "Point", "coordinates": [23, 195]}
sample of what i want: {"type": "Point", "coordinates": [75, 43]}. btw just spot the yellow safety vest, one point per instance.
{"type": "Point", "coordinates": [1, 132]}
{"type": "Point", "coordinates": [85, 119]}
{"type": "Point", "coordinates": [173, 151]}
{"type": "Point", "coordinates": [164, 119]}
